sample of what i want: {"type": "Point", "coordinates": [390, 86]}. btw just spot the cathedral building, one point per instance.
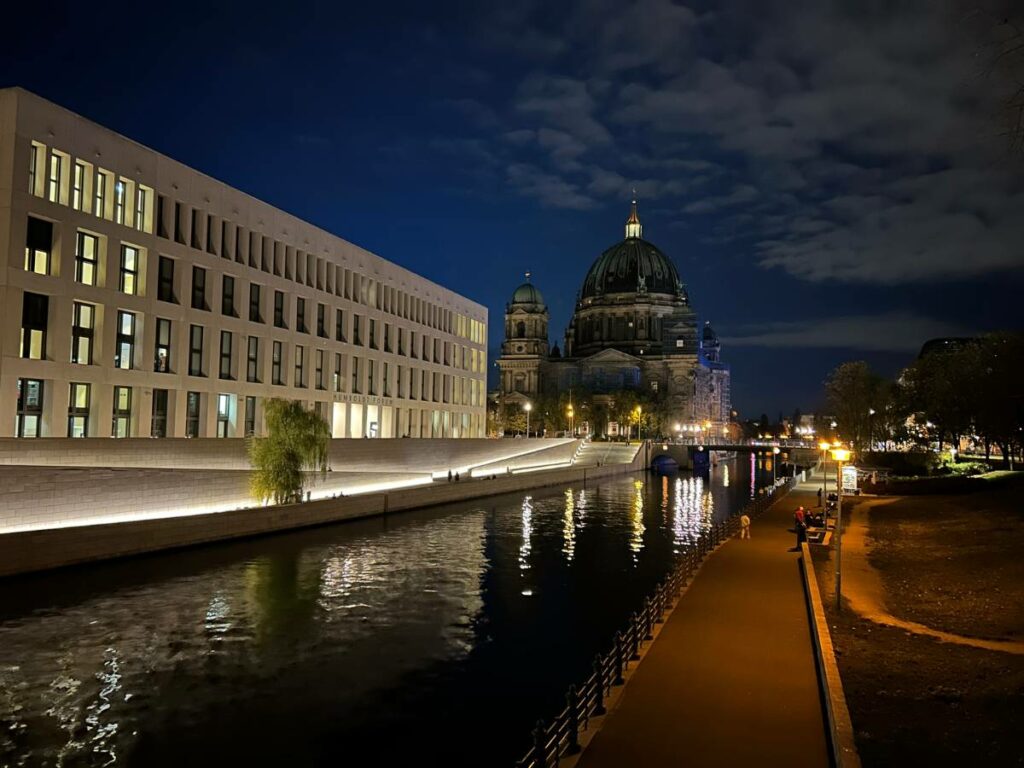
{"type": "Point", "coordinates": [633, 329]}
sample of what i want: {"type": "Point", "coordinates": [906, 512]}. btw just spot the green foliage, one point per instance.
{"type": "Point", "coordinates": [297, 441]}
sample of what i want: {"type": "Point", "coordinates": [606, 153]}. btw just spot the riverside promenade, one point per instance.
{"type": "Point", "coordinates": [731, 678]}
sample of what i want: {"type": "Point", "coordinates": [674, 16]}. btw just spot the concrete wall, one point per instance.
{"type": "Point", "coordinates": [43, 549]}
{"type": "Point", "coordinates": [423, 455]}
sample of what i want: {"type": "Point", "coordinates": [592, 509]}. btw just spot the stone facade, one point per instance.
{"type": "Point", "coordinates": [139, 298]}
{"type": "Point", "coordinates": [633, 328]}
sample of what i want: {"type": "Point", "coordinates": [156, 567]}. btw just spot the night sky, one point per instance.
{"type": "Point", "coordinates": [830, 179]}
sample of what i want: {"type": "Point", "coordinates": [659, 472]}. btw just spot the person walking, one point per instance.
{"type": "Point", "coordinates": [819, 497]}
{"type": "Point", "coordinates": [744, 526]}
{"type": "Point", "coordinates": [449, 475]}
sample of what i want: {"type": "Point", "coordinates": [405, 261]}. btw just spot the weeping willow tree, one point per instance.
{"type": "Point", "coordinates": [296, 442]}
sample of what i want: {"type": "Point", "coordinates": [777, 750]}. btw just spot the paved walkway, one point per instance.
{"type": "Point", "coordinates": [731, 679]}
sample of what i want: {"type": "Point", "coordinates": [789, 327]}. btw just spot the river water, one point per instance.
{"type": "Point", "coordinates": [428, 638]}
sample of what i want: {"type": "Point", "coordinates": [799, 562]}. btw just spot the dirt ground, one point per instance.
{"type": "Point", "coordinates": [954, 563]}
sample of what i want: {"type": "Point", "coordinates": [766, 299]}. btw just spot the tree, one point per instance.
{"type": "Point", "coordinates": [853, 390]}
{"type": "Point", "coordinates": [296, 441]}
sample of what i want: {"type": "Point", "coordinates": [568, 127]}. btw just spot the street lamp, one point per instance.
{"type": "Point", "coordinates": [840, 455]}
{"type": "Point", "coordinates": [824, 473]}
{"type": "Point", "coordinates": [527, 407]}
{"type": "Point", "coordinates": [639, 425]}
{"type": "Point", "coordinates": [570, 412]}
{"type": "Point", "coordinates": [775, 460]}
{"type": "Point", "coordinates": [871, 412]}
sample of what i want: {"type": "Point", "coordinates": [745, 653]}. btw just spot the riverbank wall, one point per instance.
{"type": "Point", "coordinates": [25, 551]}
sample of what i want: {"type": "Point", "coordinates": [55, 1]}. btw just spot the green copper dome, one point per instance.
{"type": "Point", "coordinates": [632, 266]}
{"type": "Point", "coordinates": [527, 293]}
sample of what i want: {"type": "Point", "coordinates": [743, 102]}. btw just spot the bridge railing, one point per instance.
{"type": "Point", "coordinates": [561, 736]}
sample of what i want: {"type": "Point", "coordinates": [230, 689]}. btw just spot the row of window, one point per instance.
{"type": "Point", "coordinates": [31, 392]}
{"type": "Point", "coordinates": [124, 201]}
{"type": "Point", "coordinates": [402, 341]}
{"type": "Point", "coordinates": [430, 385]}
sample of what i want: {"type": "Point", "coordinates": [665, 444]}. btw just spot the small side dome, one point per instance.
{"type": "Point", "coordinates": [527, 293]}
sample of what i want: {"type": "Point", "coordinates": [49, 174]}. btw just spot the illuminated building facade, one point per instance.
{"type": "Point", "coordinates": [142, 298]}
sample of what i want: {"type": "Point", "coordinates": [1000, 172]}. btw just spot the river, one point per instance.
{"type": "Point", "coordinates": [430, 638]}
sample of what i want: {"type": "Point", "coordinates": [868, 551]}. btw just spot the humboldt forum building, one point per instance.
{"type": "Point", "coordinates": [141, 298]}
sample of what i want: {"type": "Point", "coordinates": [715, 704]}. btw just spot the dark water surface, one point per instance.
{"type": "Point", "coordinates": [431, 638]}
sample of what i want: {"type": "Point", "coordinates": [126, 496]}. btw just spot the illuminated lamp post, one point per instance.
{"type": "Point", "coordinates": [871, 412]}
{"type": "Point", "coordinates": [527, 407]}
{"type": "Point", "coordinates": [775, 460]}
{"type": "Point", "coordinates": [572, 426]}
{"type": "Point", "coordinates": [824, 474]}
{"type": "Point", "coordinates": [839, 455]}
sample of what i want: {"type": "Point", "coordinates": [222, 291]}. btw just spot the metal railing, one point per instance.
{"type": "Point", "coordinates": [561, 737]}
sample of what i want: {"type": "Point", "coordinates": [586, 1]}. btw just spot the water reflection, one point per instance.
{"type": "Point", "coordinates": [331, 640]}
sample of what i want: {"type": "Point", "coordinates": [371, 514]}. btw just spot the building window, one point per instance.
{"type": "Point", "coordinates": [56, 168]}
{"type": "Point", "coordinates": [83, 324]}
{"type": "Point", "coordinates": [122, 416]}
{"type": "Point", "coordinates": [371, 366]}
{"type": "Point", "coordinates": [223, 415]}
{"type": "Point", "coordinates": [355, 375]}
{"type": "Point", "coordinates": [337, 372]}
{"type": "Point", "coordinates": [192, 414]}
{"type": "Point", "coordinates": [30, 408]}
{"type": "Point", "coordinates": [275, 373]}
{"type": "Point", "coordinates": [124, 354]}
{"type": "Point", "coordinates": [78, 410]}
{"type": "Point", "coordinates": [35, 310]}
{"type": "Point", "coordinates": [35, 153]}
{"type": "Point", "coordinates": [87, 253]}
{"type": "Point", "coordinates": [38, 246]}
{"type": "Point", "coordinates": [165, 285]}
{"type": "Point", "coordinates": [279, 310]}
{"type": "Point", "coordinates": [195, 350]}
{"type": "Point", "coordinates": [158, 428]}
{"type": "Point", "coordinates": [100, 198]}
{"type": "Point", "coordinates": [339, 325]}
{"type": "Point", "coordinates": [141, 203]}
{"type": "Point", "coordinates": [199, 288]}
{"type": "Point", "coordinates": [300, 315]}
{"type": "Point", "coordinates": [225, 354]}
{"type": "Point", "coordinates": [319, 379]}
{"type": "Point", "coordinates": [412, 345]}
{"type": "Point", "coordinates": [321, 321]}
{"type": "Point", "coordinates": [129, 279]}
{"type": "Point", "coordinates": [252, 360]}
{"type": "Point", "coordinates": [387, 337]}
{"type": "Point", "coordinates": [356, 335]}
{"type": "Point", "coordinates": [227, 296]}
{"type": "Point", "coordinates": [373, 333]}
{"type": "Point", "coordinates": [119, 194]}
{"type": "Point", "coordinates": [78, 186]}
{"type": "Point", "coordinates": [300, 365]}
{"type": "Point", "coordinates": [387, 384]}
{"type": "Point", "coordinates": [255, 301]}
{"type": "Point", "coordinates": [162, 358]}
{"type": "Point", "coordinates": [250, 416]}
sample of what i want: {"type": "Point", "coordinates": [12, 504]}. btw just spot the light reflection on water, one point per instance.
{"type": "Point", "coordinates": [327, 640]}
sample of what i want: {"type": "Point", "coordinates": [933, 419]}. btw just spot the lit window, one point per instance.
{"type": "Point", "coordinates": [100, 197]}
{"type": "Point", "coordinates": [78, 186]}
{"type": "Point", "coordinates": [129, 279]}
{"type": "Point", "coordinates": [87, 254]}
{"type": "Point", "coordinates": [53, 180]}
{"type": "Point", "coordinates": [78, 410]}
{"type": "Point", "coordinates": [192, 402]}
{"type": "Point", "coordinates": [82, 328]}
{"type": "Point", "coordinates": [34, 315]}
{"type": "Point", "coordinates": [120, 190]}
{"type": "Point", "coordinates": [38, 246]}
{"type": "Point", "coordinates": [162, 354]}
{"type": "Point", "coordinates": [124, 354]}
{"type": "Point", "coordinates": [250, 416]}
{"type": "Point", "coordinates": [223, 415]}
{"type": "Point", "coordinates": [30, 408]}
{"type": "Point", "coordinates": [122, 416]}
{"type": "Point", "coordinates": [36, 153]}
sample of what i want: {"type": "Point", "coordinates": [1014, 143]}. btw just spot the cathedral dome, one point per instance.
{"type": "Point", "coordinates": [632, 266]}
{"type": "Point", "coordinates": [527, 293]}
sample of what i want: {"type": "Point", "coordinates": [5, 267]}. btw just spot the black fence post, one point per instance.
{"type": "Point", "coordinates": [573, 705]}
{"type": "Point", "coordinates": [618, 659]}
{"type": "Point", "coordinates": [634, 637]}
{"type": "Point", "coordinates": [648, 620]}
{"type": "Point", "coordinates": [540, 756]}
{"type": "Point", "coordinates": [599, 692]}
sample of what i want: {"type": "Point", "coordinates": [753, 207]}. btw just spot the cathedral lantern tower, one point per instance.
{"type": "Point", "coordinates": [526, 341]}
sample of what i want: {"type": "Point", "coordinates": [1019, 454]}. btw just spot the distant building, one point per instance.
{"type": "Point", "coordinates": [142, 298]}
{"type": "Point", "coordinates": [633, 328]}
